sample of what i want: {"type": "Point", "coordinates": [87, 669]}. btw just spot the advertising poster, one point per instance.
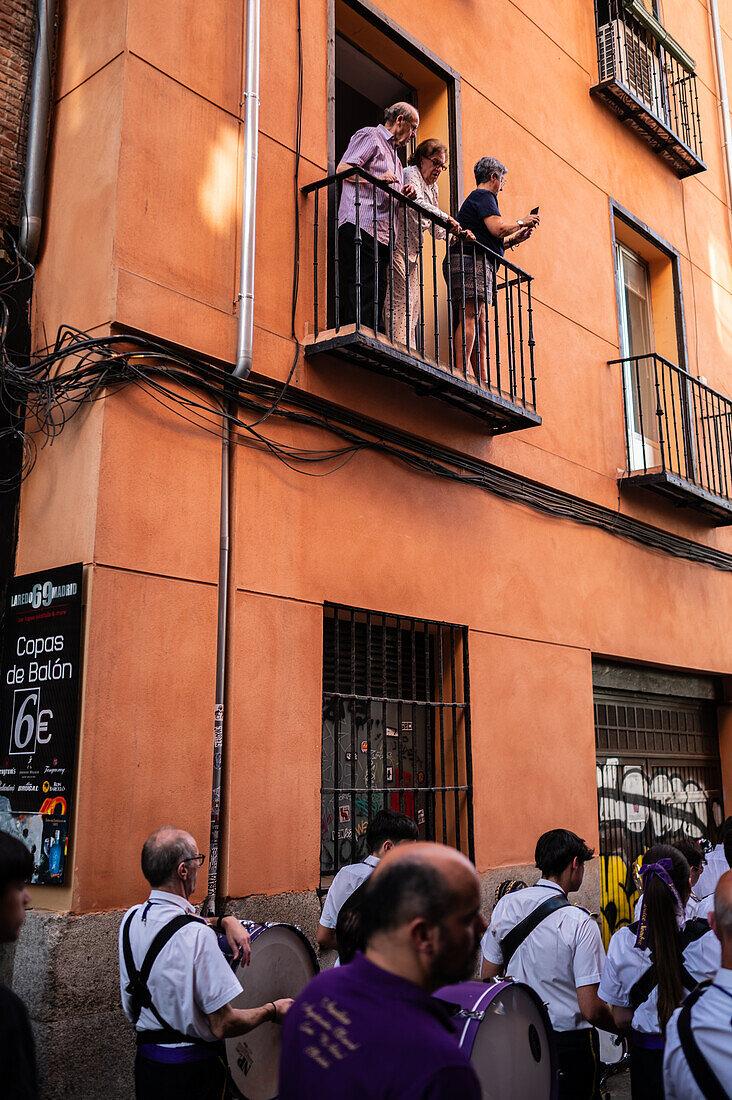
{"type": "Point", "coordinates": [39, 704]}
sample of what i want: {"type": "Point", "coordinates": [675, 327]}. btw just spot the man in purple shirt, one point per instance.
{"type": "Point", "coordinates": [373, 148]}
{"type": "Point", "coordinates": [371, 1029]}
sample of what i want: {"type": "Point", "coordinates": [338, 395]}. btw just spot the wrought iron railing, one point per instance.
{"type": "Point", "coordinates": [676, 424]}
{"type": "Point", "coordinates": [412, 307]}
{"type": "Point", "coordinates": [654, 71]}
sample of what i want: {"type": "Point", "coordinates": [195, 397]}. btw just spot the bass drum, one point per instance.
{"type": "Point", "coordinates": [282, 964]}
{"type": "Point", "coordinates": [505, 1030]}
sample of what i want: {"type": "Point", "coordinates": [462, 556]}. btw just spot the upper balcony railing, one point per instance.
{"type": "Point", "coordinates": [678, 436]}
{"type": "Point", "coordinates": [408, 307]}
{"type": "Point", "coordinates": [648, 80]}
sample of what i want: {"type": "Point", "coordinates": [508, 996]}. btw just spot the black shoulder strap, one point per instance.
{"type": "Point", "coordinates": [640, 992]}
{"type": "Point", "coordinates": [351, 925]}
{"type": "Point", "coordinates": [693, 930]}
{"type": "Point", "coordinates": [513, 939]}
{"type": "Point", "coordinates": [137, 986]}
{"type": "Point", "coordinates": [704, 1075]}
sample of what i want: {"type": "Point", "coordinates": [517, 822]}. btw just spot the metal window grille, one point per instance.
{"type": "Point", "coordinates": [396, 731]}
{"type": "Point", "coordinates": [658, 779]}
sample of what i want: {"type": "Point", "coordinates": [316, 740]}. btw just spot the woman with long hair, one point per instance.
{"type": "Point", "coordinates": [653, 964]}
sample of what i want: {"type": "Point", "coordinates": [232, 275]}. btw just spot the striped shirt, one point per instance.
{"type": "Point", "coordinates": [371, 148]}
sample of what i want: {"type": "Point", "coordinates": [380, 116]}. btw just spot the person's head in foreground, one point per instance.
{"type": "Point", "coordinates": [16, 867]}
{"type": "Point", "coordinates": [422, 912]}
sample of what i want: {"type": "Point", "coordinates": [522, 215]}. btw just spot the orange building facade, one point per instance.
{"type": "Point", "coordinates": [541, 613]}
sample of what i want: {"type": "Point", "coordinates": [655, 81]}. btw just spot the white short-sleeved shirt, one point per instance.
{"type": "Point", "coordinates": [626, 963]}
{"type": "Point", "coordinates": [190, 977]}
{"type": "Point", "coordinates": [716, 865]}
{"type": "Point", "coordinates": [342, 886]}
{"type": "Point", "coordinates": [711, 1022]}
{"type": "Point", "coordinates": [562, 953]}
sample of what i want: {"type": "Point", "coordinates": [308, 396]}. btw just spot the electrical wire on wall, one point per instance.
{"type": "Point", "coordinates": [80, 369]}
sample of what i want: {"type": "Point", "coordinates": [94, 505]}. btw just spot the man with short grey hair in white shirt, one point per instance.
{"type": "Point", "coordinates": [697, 1060]}
{"type": "Point", "coordinates": [538, 937]}
{"type": "Point", "coordinates": [176, 984]}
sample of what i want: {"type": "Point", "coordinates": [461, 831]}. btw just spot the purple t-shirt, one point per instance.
{"type": "Point", "coordinates": [359, 1032]}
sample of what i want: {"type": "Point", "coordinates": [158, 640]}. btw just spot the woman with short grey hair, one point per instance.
{"type": "Point", "coordinates": [470, 273]}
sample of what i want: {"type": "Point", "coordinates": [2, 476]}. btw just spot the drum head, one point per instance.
{"type": "Point", "coordinates": [511, 1048]}
{"type": "Point", "coordinates": [282, 964]}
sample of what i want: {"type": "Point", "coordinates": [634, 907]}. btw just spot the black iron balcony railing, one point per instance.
{"type": "Point", "coordinates": [678, 436]}
{"type": "Point", "coordinates": [648, 80]}
{"type": "Point", "coordinates": [448, 317]}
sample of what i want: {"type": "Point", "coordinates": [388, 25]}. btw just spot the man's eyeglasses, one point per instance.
{"type": "Point", "coordinates": [195, 859]}
{"type": "Point", "coordinates": [440, 164]}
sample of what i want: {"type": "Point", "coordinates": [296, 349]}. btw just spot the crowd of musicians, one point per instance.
{"type": "Point", "coordinates": [407, 922]}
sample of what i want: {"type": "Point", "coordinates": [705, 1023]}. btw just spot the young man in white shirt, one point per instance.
{"type": "Point", "coordinates": [560, 957]}
{"type": "Point", "coordinates": [180, 998]}
{"type": "Point", "coordinates": [697, 1061]}
{"type": "Point", "coordinates": [385, 831]}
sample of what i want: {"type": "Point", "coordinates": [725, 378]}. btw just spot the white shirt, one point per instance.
{"type": "Point", "coordinates": [626, 963]}
{"type": "Point", "coordinates": [190, 977]}
{"type": "Point", "coordinates": [711, 1022]}
{"type": "Point", "coordinates": [715, 867]}
{"type": "Point", "coordinates": [562, 953]}
{"type": "Point", "coordinates": [342, 886]}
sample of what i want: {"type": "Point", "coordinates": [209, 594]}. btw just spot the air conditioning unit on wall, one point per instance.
{"type": "Point", "coordinates": [625, 56]}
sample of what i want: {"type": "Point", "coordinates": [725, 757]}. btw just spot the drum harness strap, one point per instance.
{"type": "Point", "coordinates": [705, 1077]}
{"type": "Point", "coordinates": [642, 989]}
{"type": "Point", "coordinates": [513, 940]}
{"type": "Point", "coordinates": [138, 989]}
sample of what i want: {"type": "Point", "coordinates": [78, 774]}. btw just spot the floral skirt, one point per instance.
{"type": "Point", "coordinates": [468, 277]}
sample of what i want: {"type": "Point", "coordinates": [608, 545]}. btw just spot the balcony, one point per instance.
{"type": "Point", "coordinates": [678, 436]}
{"type": "Point", "coordinates": [648, 80]}
{"type": "Point", "coordinates": [416, 335]}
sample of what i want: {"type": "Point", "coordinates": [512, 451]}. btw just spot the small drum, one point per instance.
{"type": "Point", "coordinates": [505, 1029]}
{"type": "Point", "coordinates": [282, 964]}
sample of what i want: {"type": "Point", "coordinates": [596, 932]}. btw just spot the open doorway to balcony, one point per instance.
{"type": "Point", "coordinates": [652, 345]}
{"type": "Point", "coordinates": [374, 64]}
{"type": "Point", "coordinates": [364, 88]}
{"type": "Point", "coordinates": [636, 348]}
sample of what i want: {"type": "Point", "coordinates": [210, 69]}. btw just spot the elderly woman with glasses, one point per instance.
{"type": "Point", "coordinates": [423, 170]}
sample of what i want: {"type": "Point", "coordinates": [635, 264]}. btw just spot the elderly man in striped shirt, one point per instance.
{"type": "Point", "coordinates": [373, 148]}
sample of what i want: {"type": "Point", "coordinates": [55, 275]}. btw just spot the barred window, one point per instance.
{"type": "Point", "coordinates": [396, 731]}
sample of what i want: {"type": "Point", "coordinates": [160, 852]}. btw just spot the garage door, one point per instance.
{"type": "Point", "coordinates": [658, 772]}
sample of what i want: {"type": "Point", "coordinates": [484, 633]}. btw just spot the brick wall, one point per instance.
{"type": "Point", "coordinates": [16, 42]}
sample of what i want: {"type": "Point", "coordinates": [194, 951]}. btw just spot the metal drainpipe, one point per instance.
{"type": "Point", "coordinates": [34, 182]}
{"type": "Point", "coordinates": [249, 200]}
{"type": "Point", "coordinates": [209, 905]}
{"type": "Point", "coordinates": [243, 367]}
{"type": "Point", "coordinates": [723, 97]}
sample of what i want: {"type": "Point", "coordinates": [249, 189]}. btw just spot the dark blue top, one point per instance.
{"type": "Point", "coordinates": [361, 1033]}
{"type": "Point", "coordinates": [481, 204]}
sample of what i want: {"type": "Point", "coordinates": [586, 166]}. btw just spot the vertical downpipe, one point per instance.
{"type": "Point", "coordinates": [245, 341]}
{"type": "Point", "coordinates": [39, 113]}
{"type": "Point", "coordinates": [209, 906]}
{"type": "Point", "coordinates": [723, 98]}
